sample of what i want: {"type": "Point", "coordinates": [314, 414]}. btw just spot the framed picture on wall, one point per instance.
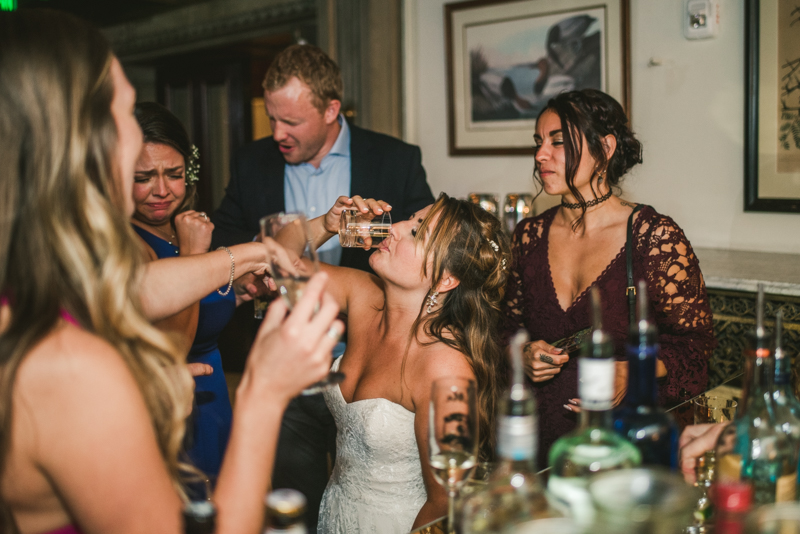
{"type": "Point", "coordinates": [772, 106]}
{"type": "Point", "coordinates": [506, 59]}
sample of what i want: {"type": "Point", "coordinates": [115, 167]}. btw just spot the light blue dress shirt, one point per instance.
{"type": "Point", "coordinates": [314, 191]}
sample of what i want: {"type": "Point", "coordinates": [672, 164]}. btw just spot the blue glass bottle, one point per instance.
{"type": "Point", "coordinates": [639, 418]}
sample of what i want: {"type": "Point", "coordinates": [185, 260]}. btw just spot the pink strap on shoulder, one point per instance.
{"type": "Point", "coordinates": [70, 319]}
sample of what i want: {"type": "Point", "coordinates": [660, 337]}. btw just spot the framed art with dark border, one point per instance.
{"type": "Point", "coordinates": [772, 106]}
{"type": "Point", "coordinates": [506, 59]}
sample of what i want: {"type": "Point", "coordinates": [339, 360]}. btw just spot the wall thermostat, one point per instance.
{"type": "Point", "coordinates": [701, 19]}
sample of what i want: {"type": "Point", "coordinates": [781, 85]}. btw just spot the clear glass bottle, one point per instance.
{"type": "Point", "coordinates": [594, 447]}
{"type": "Point", "coordinates": [787, 407]}
{"type": "Point", "coordinates": [754, 449]}
{"type": "Point", "coordinates": [513, 495]}
{"type": "Point", "coordinates": [285, 512]}
{"type": "Point", "coordinates": [639, 418]}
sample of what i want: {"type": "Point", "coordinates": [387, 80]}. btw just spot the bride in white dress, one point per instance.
{"type": "Point", "coordinates": [432, 311]}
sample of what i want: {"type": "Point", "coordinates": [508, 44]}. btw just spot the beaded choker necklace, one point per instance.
{"type": "Point", "coordinates": [595, 202]}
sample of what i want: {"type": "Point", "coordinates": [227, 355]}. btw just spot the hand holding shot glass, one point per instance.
{"type": "Point", "coordinates": [361, 223]}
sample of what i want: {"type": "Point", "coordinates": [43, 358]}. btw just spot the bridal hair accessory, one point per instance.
{"type": "Point", "coordinates": [497, 249]}
{"type": "Point", "coordinates": [432, 301]}
{"type": "Point", "coordinates": [193, 167]}
{"type": "Point", "coordinates": [577, 205]}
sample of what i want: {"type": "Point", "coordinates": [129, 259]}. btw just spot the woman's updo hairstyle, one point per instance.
{"type": "Point", "coordinates": [592, 114]}
{"type": "Point", "coordinates": [161, 127]}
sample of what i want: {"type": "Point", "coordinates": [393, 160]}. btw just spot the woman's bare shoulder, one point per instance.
{"type": "Point", "coordinates": [71, 360]}
{"type": "Point", "coordinates": [432, 362]}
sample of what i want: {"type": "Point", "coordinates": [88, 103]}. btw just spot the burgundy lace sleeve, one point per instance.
{"type": "Point", "coordinates": [681, 308]}
{"type": "Point", "coordinates": [526, 235]}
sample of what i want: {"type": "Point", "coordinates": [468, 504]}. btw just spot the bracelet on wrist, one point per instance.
{"type": "Point", "coordinates": [233, 270]}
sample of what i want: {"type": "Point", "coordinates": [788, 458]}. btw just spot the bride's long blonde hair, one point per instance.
{"type": "Point", "coordinates": [65, 241]}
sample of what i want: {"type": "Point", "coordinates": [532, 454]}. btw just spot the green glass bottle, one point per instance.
{"type": "Point", "coordinates": [754, 449]}
{"type": "Point", "coordinates": [593, 447]}
{"type": "Point", "coordinates": [513, 495]}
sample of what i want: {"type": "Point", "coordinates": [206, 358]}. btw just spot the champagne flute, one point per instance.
{"type": "Point", "coordinates": [453, 436]}
{"type": "Point", "coordinates": [293, 228]}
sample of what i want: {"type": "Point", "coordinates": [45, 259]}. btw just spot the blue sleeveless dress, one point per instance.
{"type": "Point", "coordinates": [209, 426]}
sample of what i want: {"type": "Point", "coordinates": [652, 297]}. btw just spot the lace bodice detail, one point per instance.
{"type": "Point", "coordinates": [376, 485]}
{"type": "Point", "coordinates": [663, 257]}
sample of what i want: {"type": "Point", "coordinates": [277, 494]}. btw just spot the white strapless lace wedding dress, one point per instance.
{"type": "Point", "coordinates": [376, 485]}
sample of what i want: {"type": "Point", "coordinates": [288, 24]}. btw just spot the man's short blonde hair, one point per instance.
{"type": "Point", "coordinates": [311, 66]}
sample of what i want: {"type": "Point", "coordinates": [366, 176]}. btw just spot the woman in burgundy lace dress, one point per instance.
{"type": "Point", "coordinates": [583, 148]}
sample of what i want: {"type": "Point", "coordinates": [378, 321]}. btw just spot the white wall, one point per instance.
{"type": "Point", "coordinates": [689, 114]}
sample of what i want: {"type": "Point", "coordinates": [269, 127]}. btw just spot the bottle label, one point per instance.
{"type": "Point", "coordinates": [786, 488]}
{"type": "Point", "coordinates": [516, 437]}
{"type": "Point", "coordinates": [729, 468]}
{"type": "Point", "coordinates": [596, 383]}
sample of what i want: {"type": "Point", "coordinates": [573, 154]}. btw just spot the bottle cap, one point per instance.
{"type": "Point", "coordinates": [199, 517]}
{"type": "Point", "coordinates": [733, 496]}
{"type": "Point", "coordinates": [285, 507]}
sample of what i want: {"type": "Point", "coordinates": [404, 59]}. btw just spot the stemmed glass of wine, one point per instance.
{"type": "Point", "coordinates": [295, 232]}
{"type": "Point", "coordinates": [453, 436]}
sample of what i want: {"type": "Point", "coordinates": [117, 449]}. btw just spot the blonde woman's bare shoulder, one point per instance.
{"type": "Point", "coordinates": [70, 366]}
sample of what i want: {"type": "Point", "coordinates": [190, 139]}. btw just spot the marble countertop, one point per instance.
{"type": "Point", "coordinates": [739, 270]}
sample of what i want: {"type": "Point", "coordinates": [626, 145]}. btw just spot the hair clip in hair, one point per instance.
{"type": "Point", "coordinates": [193, 167]}
{"type": "Point", "coordinates": [494, 245]}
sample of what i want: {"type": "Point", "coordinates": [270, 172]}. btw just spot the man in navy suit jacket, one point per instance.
{"type": "Point", "coordinates": [305, 166]}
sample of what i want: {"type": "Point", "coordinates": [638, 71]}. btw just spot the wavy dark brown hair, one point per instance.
{"type": "Point", "coordinates": [591, 114]}
{"type": "Point", "coordinates": [469, 316]}
{"type": "Point", "coordinates": [161, 127]}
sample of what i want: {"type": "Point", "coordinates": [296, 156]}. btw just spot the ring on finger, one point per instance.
{"type": "Point", "coordinates": [544, 358]}
{"type": "Point", "coordinates": [203, 215]}
{"type": "Point", "coordinates": [333, 333]}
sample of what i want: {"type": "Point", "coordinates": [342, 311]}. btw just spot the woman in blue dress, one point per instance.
{"type": "Point", "coordinates": [164, 194]}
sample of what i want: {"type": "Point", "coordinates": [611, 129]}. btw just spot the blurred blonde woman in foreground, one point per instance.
{"type": "Point", "coordinates": [93, 398]}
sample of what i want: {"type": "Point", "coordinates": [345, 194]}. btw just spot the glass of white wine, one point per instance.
{"type": "Point", "coordinates": [294, 231]}
{"type": "Point", "coordinates": [453, 436]}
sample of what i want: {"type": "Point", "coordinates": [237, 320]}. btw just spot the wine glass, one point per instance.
{"type": "Point", "coordinates": [294, 231]}
{"type": "Point", "coordinates": [453, 436]}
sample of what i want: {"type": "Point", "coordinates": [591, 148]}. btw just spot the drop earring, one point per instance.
{"type": "Point", "coordinates": [432, 301]}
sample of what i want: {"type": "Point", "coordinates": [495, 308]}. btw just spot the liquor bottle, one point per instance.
{"type": "Point", "coordinates": [787, 407]}
{"type": "Point", "coordinates": [199, 517]}
{"type": "Point", "coordinates": [513, 495]}
{"type": "Point", "coordinates": [285, 511]}
{"type": "Point", "coordinates": [594, 447]}
{"type": "Point", "coordinates": [754, 449]}
{"type": "Point", "coordinates": [640, 419]}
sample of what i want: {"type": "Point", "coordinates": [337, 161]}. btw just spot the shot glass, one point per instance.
{"type": "Point", "coordinates": [260, 305]}
{"type": "Point", "coordinates": [713, 409]}
{"type": "Point", "coordinates": [361, 230]}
